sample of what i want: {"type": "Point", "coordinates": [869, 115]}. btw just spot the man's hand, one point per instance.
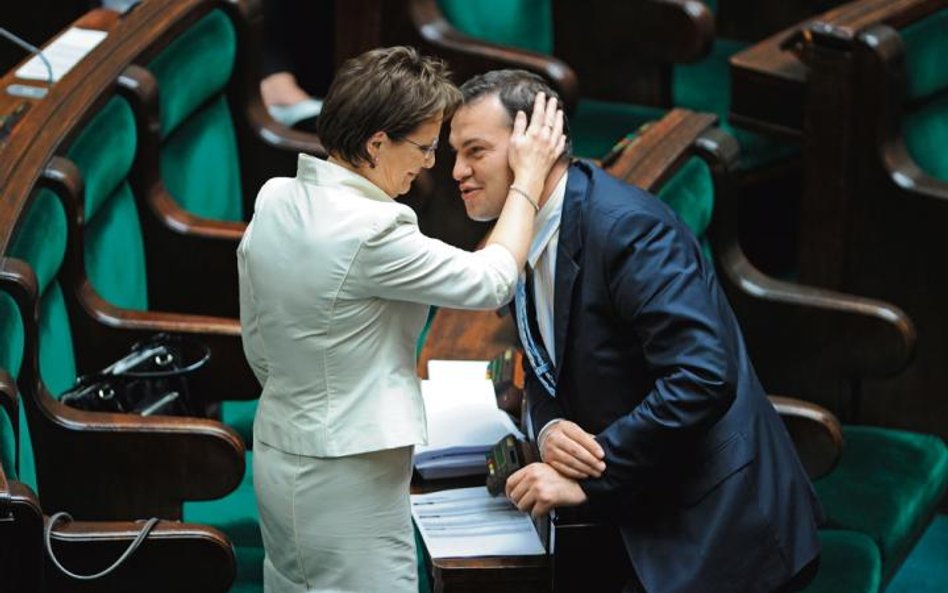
{"type": "Point", "coordinates": [538, 487]}
{"type": "Point", "coordinates": [572, 451]}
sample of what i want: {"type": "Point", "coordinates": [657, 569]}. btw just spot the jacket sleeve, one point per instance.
{"type": "Point", "coordinates": [249, 326]}
{"type": "Point", "coordinates": [659, 287]}
{"type": "Point", "coordinates": [398, 262]}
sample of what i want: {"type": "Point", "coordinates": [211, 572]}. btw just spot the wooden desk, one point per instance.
{"type": "Point", "coordinates": [769, 81]}
{"type": "Point", "coordinates": [49, 121]}
{"type": "Point", "coordinates": [478, 335]}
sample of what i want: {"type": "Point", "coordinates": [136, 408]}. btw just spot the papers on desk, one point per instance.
{"type": "Point", "coordinates": [463, 421]}
{"type": "Point", "coordinates": [468, 522]}
{"type": "Point", "coordinates": [63, 53]}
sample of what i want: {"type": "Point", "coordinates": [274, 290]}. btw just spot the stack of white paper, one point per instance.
{"type": "Point", "coordinates": [463, 421]}
{"type": "Point", "coordinates": [470, 522]}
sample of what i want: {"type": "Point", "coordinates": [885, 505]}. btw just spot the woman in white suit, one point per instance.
{"type": "Point", "coordinates": [335, 284]}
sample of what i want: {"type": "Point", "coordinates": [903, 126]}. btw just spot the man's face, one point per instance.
{"type": "Point", "coordinates": [480, 133]}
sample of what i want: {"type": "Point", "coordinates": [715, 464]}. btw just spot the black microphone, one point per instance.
{"type": "Point", "coordinates": [22, 90]}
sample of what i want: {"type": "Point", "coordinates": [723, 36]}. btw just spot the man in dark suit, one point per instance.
{"type": "Point", "coordinates": [645, 405]}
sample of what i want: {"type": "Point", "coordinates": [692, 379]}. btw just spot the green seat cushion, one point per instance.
{"type": "Point", "coordinates": [199, 157]}
{"type": "Point", "coordinates": [926, 42]}
{"type": "Point", "coordinates": [887, 485]}
{"type": "Point", "coordinates": [597, 125]}
{"type": "Point", "coordinates": [40, 238]}
{"type": "Point", "coordinates": [115, 251]}
{"type": "Point", "coordinates": [239, 414]}
{"type": "Point", "coordinates": [925, 121]}
{"type": "Point", "coordinates": [849, 563]}
{"type": "Point", "coordinates": [200, 164]}
{"type": "Point", "coordinates": [194, 68]}
{"type": "Point", "coordinates": [925, 130]}
{"type": "Point", "coordinates": [249, 569]}
{"type": "Point", "coordinates": [690, 193]}
{"type": "Point", "coordinates": [104, 152]}
{"type": "Point", "coordinates": [527, 24]}
{"type": "Point", "coordinates": [235, 514]}
{"type": "Point", "coordinates": [925, 570]}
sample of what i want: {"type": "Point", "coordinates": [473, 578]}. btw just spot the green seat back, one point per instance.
{"type": "Point", "coordinates": [40, 241]}
{"type": "Point", "coordinates": [887, 485]}
{"type": "Point", "coordinates": [925, 120]}
{"type": "Point", "coordinates": [849, 561]}
{"type": "Point", "coordinates": [199, 158]}
{"type": "Point", "coordinates": [113, 244]}
{"type": "Point", "coordinates": [527, 24]}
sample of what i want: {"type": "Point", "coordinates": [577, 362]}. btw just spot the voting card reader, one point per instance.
{"type": "Point", "coordinates": [505, 458]}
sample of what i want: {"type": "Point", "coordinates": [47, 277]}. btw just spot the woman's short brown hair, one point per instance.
{"type": "Point", "coordinates": [393, 89]}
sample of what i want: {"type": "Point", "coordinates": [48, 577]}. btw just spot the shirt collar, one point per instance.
{"type": "Point", "coordinates": [547, 222]}
{"type": "Point", "coordinates": [323, 173]}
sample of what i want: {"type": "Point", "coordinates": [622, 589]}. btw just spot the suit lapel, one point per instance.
{"type": "Point", "coordinates": [567, 255]}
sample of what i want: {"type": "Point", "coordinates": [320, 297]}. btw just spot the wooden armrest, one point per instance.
{"type": "Point", "coordinates": [848, 20]}
{"type": "Point", "coordinates": [816, 433]}
{"type": "Point", "coordinates": [226, 375]}
{"type": "Point", "coordinates": [21, 543]}
{"type": "Point", "coordinates": [174, 557]}
{"type": "Point", "coordinates": [652, 155]}
{"type": "Point", "coordinates": [469, 56]}
{"type": "Point", "coordinates": [84, 458]}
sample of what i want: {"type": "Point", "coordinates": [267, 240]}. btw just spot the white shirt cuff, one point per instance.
{"type": "Point", "coordinates": [542, 435]}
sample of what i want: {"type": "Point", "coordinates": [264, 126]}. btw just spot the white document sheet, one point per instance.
{"type": "Point", "coordinates": [63, 53]}
{"type": "Point", "coordinates": [457, 370]}
{"type": "Point", "coordinates": [469, 522]}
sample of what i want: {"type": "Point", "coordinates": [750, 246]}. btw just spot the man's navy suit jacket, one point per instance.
{"type": "Point", "coordinates": [701, 474]}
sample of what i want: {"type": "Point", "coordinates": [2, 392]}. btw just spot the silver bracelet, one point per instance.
{"type": "Point", "coordinates": [515, 189]}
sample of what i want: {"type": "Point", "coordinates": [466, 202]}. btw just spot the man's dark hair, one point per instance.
{"type": "Point", "coordinates": [517, 90]}
{"type": "Point", "coordinates": [393, 90]}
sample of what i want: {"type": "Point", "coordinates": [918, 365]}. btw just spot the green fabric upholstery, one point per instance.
{"type": "Point", "coordinates": [887, 485]}
{"type": "Point", "coordinates": [199, 158]}
{"type": "Point", "coordinates": [690, 193]}
{"type": "Point", "coordinates": [114, 248]}
{"type": "Point", "coordinates": [115, 251]}
{"type": "Point", "coordinates": [104, 152]}
{"type": "Point", "coordinates": [249, 570]}
{"type": "Point", "coordinates": [200, 164]}
{"type": "Point", "coordinates": [596, 125]}
{"type": "Point", "coordinates": [40, 241]}
{"type": "Point", "coordinates": [926, 43]}
{"type": "Point", "coordinates": [235, 514]}
{"type": "Point", "coordinates": [239, 415]}
{"type": "Point", "coordinates": [527, 24]}
{"type": "Point", "coordinates": [925, 569]}
{"type": "Point", "coordinates": [849, 563]}
{"type": "Point", "coordinates": [925, 121]}
{"type": "Point", "coordinates": [193, 68]}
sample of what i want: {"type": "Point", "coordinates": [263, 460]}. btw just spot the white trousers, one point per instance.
{"type": "Point", "coordinates": [335, 524]}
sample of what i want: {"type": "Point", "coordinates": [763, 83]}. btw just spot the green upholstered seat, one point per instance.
{"type": "Point", "coordinates": [200, 164]}
{"type": "Point", "coordinates": [849, 563]}
{"type": "Point", "coordinates": [925, 120]}
{"type": "Point", "coordinates": [887, 485]}
{"type": "Point", "coordinates": [199, 159]}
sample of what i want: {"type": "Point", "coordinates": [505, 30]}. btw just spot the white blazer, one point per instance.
{"type": "Point", "coordinates": [335, 283]}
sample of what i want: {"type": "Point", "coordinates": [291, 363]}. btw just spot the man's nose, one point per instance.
{"type": "Point", "coordinates": [461, 170]}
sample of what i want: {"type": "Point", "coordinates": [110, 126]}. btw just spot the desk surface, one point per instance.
{"type": "Point", "coordinates": [479, 335]}
{"type": "Point", "coordinates": [49, 121]}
